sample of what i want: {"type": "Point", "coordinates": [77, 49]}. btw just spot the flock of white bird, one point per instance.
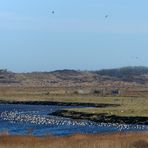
{"type": "Point", "coordinates": [15, 116]}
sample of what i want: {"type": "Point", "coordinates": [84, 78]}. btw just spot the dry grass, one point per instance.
{"type": "Point", "coordinates": [130, 106]}
{"type": "Point", "coordinates": [124, 140]}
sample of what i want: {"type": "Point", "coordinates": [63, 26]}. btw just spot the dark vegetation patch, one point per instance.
{"type": "Point", "coordinates": [130, 74]}
{"type": "Point", "coordinates": [140, 144]}
{"type": "Point", "coordinates": [101, 105]}
{"type": "Point", "coordinates": [7, 77]}
{"type": "Point", "coordinates": [102, 118]}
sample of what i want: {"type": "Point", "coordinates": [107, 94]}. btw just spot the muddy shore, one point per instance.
{"type": "Point", "coordinates": [77, 104]}
{"type": "Point", "coordinates": [101, 118]}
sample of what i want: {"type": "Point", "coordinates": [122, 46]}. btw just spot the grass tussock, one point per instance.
{"type": "Point", "coordinates": [124, 140]}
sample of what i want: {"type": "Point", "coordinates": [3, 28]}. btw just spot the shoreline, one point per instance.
{"type": "Point", "coordinates": [95, 117]}
{"type": "Point", "coordinates": [101, 118]}
{"type": "Point", "coordinates": [58, 103]}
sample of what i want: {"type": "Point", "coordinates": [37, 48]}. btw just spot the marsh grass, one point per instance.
{"type": "Point", "coordinates": [124, 140]}
{"type": "Point", "coordinates": [40, 94]}
{"type": "Point", "coordinates": [129, 105]}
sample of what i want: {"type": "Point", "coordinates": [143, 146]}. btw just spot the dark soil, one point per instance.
{"type": "Point", "coordinates": [100, 105]}
{"type": "Point", "coordinates": [102, 118]}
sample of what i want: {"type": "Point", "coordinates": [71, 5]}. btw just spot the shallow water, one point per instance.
{"type": "Point", "coordinates": [34, 119]}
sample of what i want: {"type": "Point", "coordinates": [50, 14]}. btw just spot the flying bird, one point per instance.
{"type": "Point", "coordinates": [106, 16]}
{"type": "Point", "coordinates": [52, 12]}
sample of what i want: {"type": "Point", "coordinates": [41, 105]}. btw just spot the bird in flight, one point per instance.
{"type": "Point", "coordinates": [52, 12]}
{"type": "Point", "coordinates": [106, 16]}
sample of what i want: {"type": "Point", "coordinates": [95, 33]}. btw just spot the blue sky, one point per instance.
{"type": "Point", "coordinates": [76, 36]}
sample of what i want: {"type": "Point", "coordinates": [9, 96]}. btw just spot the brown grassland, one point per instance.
{"type": "Point", "coordinates": [118, 140]}
{"type": "Point", "coordinates": [132, 105]}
